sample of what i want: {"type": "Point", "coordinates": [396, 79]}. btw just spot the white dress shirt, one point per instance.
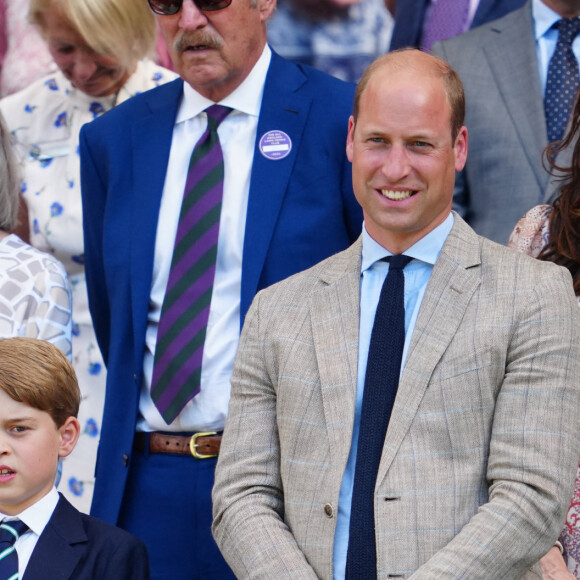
{"type": "Point", "coordinates": [36, 518]}
{"type": "Point", "coordinates": [237, 133]}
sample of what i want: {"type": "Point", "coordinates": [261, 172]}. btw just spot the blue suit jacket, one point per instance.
{"type": "Point", "coordinates": [301, 209]}
{"type": "Point", "coordinates": [76, 546]}
{"type": "Point", "coordinates": [409, 17]}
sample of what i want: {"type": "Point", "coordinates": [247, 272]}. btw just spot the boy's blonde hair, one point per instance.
{"type": "Point", "coordinates": [38, 374]}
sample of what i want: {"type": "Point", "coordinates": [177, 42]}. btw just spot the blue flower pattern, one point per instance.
{"type": "Point", "coordinates": [56, 209]}
{"type": "Point", "coordinates": [61, 120]}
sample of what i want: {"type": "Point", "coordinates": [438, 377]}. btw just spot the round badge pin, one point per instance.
{"type": "Point", "coordinates": [275, 145]}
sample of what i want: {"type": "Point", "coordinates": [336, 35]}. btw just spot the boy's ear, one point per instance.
{"type": "Point", "coordinates": [69, 435]}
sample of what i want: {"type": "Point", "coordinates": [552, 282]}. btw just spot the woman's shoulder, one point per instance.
{"type": "Point", "coordinates": [147, 75]}
{"type": "Point", "coordinates": [530, 234]}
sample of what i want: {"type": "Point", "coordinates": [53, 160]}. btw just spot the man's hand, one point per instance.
{"type": "Point", "coordinates": [554, 567]}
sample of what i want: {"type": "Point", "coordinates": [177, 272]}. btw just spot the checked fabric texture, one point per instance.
{"type": "Point", "coordinates": [9, 532]}
{"type": "Point", "coordinates": [562, 81]}
{"type": "Point", "coordinates": [185, 310]}
{"type": "Point", "coordinates": [381, 383]}
{"type": "Point", "coordinates": [444, 19]}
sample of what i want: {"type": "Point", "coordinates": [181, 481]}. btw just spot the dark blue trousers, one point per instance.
{"type": "Point", "coordinates": [167, 504]}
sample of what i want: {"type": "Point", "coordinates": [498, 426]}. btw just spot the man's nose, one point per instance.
{"type": "Point", "coordinates": [191, 16]}
{"type": "Point", "coordinates": [396, 164]}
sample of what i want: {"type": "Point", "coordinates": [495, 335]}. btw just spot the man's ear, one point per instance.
{"type": "Point", "coordinates": [350, 138]}
{"type": "Point", "coordinates": [266, 8]}
{"type": "Point", "coordinates": [69, 435]}
{"type": "Point", "coordinates": [461, 149]}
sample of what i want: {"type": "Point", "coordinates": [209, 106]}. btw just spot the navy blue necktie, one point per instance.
{"type": "Point", "coordinates": [10, 531]}
{"type": "Point", "coordinates": [381, 382]}
{"type": "Point", "coordinates": [562, 81]}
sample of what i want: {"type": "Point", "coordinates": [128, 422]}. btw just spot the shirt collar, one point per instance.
{"type": "Point", "coordinates": [427, 249]}
{"type": "Point", "coordinates": [38, 514]}
{"type": "Point", "coordinates": [544, 18]}
{"type": "Point", "coordinates": [247, 98]}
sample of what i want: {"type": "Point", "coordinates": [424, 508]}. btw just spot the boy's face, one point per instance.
{"type": "Point", "coordinates": [30, 445]}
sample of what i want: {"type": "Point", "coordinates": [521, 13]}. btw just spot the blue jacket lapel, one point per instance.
{"type": "Point", "coordinates": [60, 546]}
{"type": "Point", "coordinates": [151, 140]}
{"type": "Point", "coordinates": [283, 109]}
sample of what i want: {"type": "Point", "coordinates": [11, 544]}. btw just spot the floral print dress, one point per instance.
{"type": "Point", "coordinates": [530, 236]}
{"type": "Point", "coordinates": [45, 120]}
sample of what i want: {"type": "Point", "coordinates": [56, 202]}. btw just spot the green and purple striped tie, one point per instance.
{"type": "Point", "coordinates": [185, 310]}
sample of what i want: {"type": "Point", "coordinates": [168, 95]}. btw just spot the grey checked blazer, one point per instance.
{"type": "Point", "coordinates": [481, 452]}
{"type": "Point", "coordinates": [504, 175]}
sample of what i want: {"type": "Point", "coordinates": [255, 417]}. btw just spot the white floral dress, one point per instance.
{"type": "Point", "coordinates": [45, 120]}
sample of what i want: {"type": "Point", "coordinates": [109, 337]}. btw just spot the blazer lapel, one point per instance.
{"type": "Point", "coordinates": [335, 328]}
{"type": "Point", "coordinates": [283, 109]}
{"type": "Point", "coordinates": [150, 158]}
{"type": "Point", "coordinates": [454, 279]}
{"type": "Point", "coordinates": [59, 547]}
{"type": "Point", "coordinates": [511, 56]}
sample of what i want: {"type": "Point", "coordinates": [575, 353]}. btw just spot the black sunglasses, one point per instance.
{"type": "Point", "coordinates": [171, 7]}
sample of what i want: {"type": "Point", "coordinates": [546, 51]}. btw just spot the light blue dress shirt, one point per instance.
{"type": "Point", "coordinates": [373, 273]}
{"type": "Point", "coordinates": [547, 38]}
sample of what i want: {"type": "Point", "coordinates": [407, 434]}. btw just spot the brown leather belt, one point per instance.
{"type": "Point", "coordinates": [200, 445]}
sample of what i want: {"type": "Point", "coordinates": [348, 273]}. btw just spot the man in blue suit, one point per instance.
{"type": "Point", "coordinates": [287, 203]}
{"type": "Point", "coordinates": [410, 15]}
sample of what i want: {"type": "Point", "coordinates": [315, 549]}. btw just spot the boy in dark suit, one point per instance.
{"type": "Point", "coordinates": [42, 536]}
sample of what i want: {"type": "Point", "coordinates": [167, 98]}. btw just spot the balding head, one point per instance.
{"type": "Point", "coordinates": [406, 61]}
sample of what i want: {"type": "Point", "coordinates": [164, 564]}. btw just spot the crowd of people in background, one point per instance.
{"type": "Point", "coordinates": [164, 162]}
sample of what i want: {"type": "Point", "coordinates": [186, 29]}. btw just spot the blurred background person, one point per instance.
{"type": "Point", "coordinates": [340, 37]}
{"type": "Point", "coordinates": [551, 232]}
{"type": "Point", "coordinates": [420, 23]}
{"type": "Point", "coordinates": [520, 74]}
{"type": "Point", "coordinates": [100, 47]}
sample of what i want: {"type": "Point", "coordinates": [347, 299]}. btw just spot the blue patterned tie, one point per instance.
{"type": "Point", "coordinates": [381, 383]}
{"type": "Point", "coordinates": [562, 81]}
{"type": "Point", "coordinates": [185, 310]}
{"type": "Point", "coordinates": [10, 531]}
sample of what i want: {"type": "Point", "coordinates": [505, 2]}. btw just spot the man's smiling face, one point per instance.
{"type": "Point", "coordinates": [403, 156]}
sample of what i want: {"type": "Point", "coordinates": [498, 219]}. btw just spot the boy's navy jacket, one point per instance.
{"type": "Point", "coordinates": [77, 546]}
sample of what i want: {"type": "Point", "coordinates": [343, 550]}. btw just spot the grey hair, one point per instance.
{"type": "Point", "coordinates": [9, 181]}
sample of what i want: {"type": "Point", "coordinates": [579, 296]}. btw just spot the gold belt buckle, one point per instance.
{"type": "Point", "coordinates": [193, 445]}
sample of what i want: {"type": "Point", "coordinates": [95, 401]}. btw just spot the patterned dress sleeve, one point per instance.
{"type": "Point", "coordinates": [49, 316]}
{"type": "Point", "coordinates": [531, 233]}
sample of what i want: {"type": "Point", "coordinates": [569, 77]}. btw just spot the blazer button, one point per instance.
{"type": "Point", "coordinates": [329, 510]}
{"type": "Point", "coordinates": [125, 459]}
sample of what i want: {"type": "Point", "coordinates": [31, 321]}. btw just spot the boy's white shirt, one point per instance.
{"type": "Point", "coordinates": [36, 517]}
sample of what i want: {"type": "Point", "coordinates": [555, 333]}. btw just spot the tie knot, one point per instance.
{"type": "Point", "coordinates": [215, 115]}
{"type": "Point", "coordinates": [568, 29]}
{"type": "Point", "coordinates": [11, 530]}
{"type": "Point", "coordinates": [398, 262]}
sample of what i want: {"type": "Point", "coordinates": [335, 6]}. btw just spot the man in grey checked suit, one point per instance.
{"type": "Point", "coordinates": [480, 454]}
{"type": "Point", "coordinates": [503, 66]}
